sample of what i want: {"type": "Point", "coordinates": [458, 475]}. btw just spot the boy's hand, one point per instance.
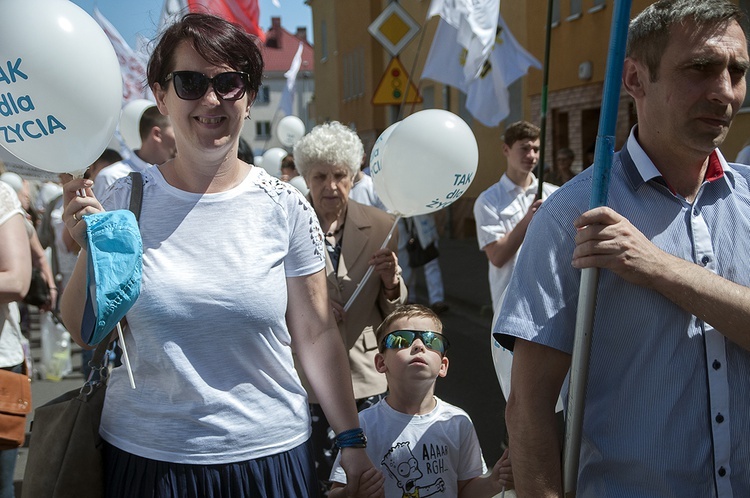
{"type": "Point", "coordinates": [502, 473]}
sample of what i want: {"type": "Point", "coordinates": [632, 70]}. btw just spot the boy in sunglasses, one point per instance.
{"type": "Point", "coordinates": [424, 445]}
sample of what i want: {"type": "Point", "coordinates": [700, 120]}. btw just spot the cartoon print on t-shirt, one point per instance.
{"type": "Point", "coordinates": [404, 469]}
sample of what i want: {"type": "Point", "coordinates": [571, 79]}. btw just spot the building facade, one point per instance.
{"type": "Point", "coordinates": [278, 54]}
{"type": "Point", "coordinates": [351, 63]}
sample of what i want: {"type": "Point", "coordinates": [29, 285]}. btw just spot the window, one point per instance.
{"type": "Point", "coordinates": [345, 64]}
{"type": "Point", "coordinates": [264, 95]}
{"type": "Point", "coordinates": [555, 12]}
{"type": "Point", "coordinates": [428, 97]}
{"type": "Point", "coordinates": [354, 74]}
{"type": "Point", "coordinates": [575, 9]}
{"type": "Point", "coordinates": [323, 41]}
{"type": "Point", "coordinates": [598, 5]}
{"type": "Point", "coordinates": [262, 130]}
{"type": "Point", "coordinates": [515, 97]}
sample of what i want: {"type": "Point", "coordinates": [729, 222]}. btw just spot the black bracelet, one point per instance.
{"type": "Point", "coordinates": [353, 438]}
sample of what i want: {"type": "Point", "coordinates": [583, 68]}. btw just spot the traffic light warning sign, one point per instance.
{"type": "Point", "coordinates": [393, 84]}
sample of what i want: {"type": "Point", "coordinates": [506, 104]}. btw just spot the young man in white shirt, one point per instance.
{"type": "Point", "coordinates": [504, 211]}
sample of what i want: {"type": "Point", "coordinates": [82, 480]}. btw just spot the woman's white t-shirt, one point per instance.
{"type": "Point", "coordinates": [208, 339]}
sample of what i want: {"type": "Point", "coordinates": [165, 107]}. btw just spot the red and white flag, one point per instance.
{"type": "Point", "coordinates": [246, 13]}
{"type": "Point", "coordinates": [132, 64]}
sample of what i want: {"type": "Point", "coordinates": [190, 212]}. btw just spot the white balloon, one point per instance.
{"type": "Point", "coordinates": [289, 130]}
{"type": "Point", "coordinates": [61, 85]}
{"type": "Point", "coordinates": [272, 161]}
{"type": "Point", "coordinates": [258, 160]}
{"type": "Point", "coordinates": [376, 163]}
{"type": "Point", "coordinates": [130, 122]}
{"type": "Point", "coordinates": [427, 161]}
{"type": "Point", "coordinates": [299, 183]}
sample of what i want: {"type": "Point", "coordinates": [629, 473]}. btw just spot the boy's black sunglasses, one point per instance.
{"type": "Point", "coordinates": [400, 339]}
{"type": "Point", "coordinates": [192, 85]}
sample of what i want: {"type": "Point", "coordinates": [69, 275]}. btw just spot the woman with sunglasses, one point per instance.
{"type": "Point", "coordinates": [232, 275]}
{"type": "Point", "coordinates": [328, 158]}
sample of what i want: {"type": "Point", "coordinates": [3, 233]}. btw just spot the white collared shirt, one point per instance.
{"type": "Point", "coordinates": [497, 211]}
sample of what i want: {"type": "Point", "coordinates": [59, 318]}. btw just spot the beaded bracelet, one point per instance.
{"type": "Point", "coordinates": [353, 438]}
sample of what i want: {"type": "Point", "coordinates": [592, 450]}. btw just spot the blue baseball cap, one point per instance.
{"type": "Point", "coordinates": [113, 278]}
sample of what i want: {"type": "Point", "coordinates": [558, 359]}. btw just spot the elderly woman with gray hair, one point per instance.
{"type": "Point", "coordinates": [328, 158]}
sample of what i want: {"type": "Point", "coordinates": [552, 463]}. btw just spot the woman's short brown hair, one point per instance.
{"type": "Point", "coordinates": [218, 41]}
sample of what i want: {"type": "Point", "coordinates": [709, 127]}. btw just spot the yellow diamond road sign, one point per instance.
{"type": "Point", "coordinates": [394, 28]}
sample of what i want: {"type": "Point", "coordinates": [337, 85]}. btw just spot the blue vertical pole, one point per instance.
{"type": "Point", "coordinates": [605, 146]}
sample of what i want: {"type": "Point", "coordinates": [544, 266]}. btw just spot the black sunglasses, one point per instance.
{"type": "Point", "coordinates": [192, 85]}
{"type": "Point", "coordinates": [400, 339]}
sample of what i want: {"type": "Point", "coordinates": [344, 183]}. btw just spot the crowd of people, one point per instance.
{"type": "Point", "coordinates": [286, 354]}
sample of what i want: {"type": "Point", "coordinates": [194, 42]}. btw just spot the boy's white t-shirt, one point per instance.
{"type": "Point", "coordinates": [208, 340]}
{"type": "Point", "coordinates": [420, 455]}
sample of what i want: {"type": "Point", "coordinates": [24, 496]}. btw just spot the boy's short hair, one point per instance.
{"type": "Point", "coordinates": [520, 130]}
{"type": "Point", "coordinates": [288, 162]}
{"type": "Point", "coordinates": [406, 311]}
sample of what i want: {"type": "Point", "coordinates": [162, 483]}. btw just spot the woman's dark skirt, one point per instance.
{"type": "Point", "coordinates": [290, 474]}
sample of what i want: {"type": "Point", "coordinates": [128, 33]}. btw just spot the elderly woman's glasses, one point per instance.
{"type": "Point", "coordinates": [192, 85]}
{"type": "Point", "coordinates": [400, 339]}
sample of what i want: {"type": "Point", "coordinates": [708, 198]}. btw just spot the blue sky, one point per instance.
{"type": "Point", "coordinates": [131, 17]}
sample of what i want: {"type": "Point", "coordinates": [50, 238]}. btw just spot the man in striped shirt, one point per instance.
{"type": "Point", "coordinates": [668, 397]}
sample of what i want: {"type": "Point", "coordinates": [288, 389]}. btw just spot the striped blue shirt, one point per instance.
{"type": "Point", "coordinates": [668, 400]}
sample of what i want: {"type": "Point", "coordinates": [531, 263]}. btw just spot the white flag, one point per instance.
{"type": "Point", "coordinates": [510, 56]}
{"type": "Point", "coordinates": [444, 61]}
{"type": "Point", "coordinates": [476, 22]}
{"type": "Point", "coordinates": [287, 97]}
{"type": "Point", "coordinates": [452, 11]}
{"type": "Point", "coordinates": [487, 95]}
{"type": "Point", "coordinates": [171, 11]}
{"type": "Point", "coordinates": [132, 64]}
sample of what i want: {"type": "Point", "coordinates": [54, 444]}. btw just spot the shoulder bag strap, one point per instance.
{"type": "Point", "coordinates": [102, 348]}
{"type": "Point", "coordinates": [136, 194]}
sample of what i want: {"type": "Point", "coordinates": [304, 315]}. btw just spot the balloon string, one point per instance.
{"type": "Point", "coordinates": [125, 358]}
{"type": "Point", "coordinates": [361, 284]}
